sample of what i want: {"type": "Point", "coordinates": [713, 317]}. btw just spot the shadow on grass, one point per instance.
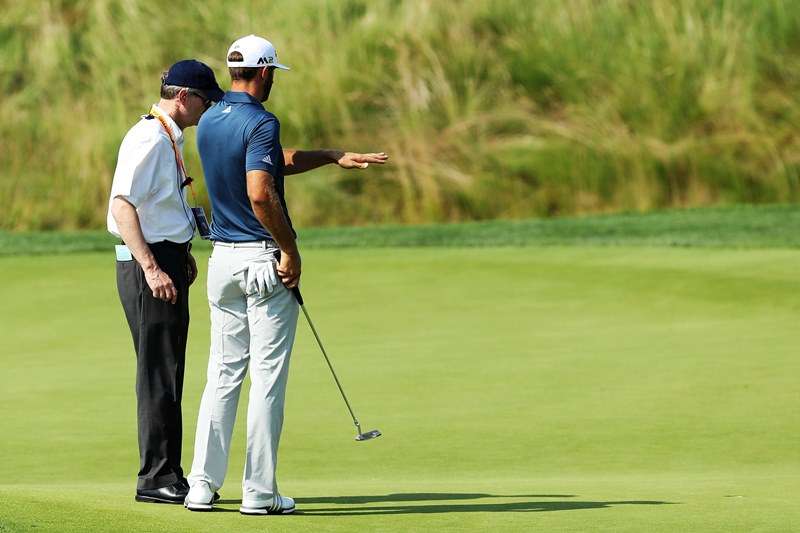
{"type": "Point", "coordinates": [530, 506]}
{"type": "Point", "coordinates": [421, 496]}
{"type": "Point", "coordinates": [411, 497]}
{"type": "Point", "coordinates": [526, 506]}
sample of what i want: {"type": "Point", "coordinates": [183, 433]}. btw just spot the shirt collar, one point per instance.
{"type": "Point", "coordinates": [177, 133]}
{"type": "Point", "coordinates": [236, 97]}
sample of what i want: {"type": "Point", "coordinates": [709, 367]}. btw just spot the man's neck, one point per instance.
{"type": "Point", "coordinates": [170, 107]}
{"type": "Point", "coordinates": [250, 87]}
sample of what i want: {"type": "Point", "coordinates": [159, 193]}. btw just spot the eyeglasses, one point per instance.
{"type": "Point", "coordinates": [206, 100]}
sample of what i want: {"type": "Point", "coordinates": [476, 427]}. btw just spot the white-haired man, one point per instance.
{"type": "Point", "coordinates": [148, 211]}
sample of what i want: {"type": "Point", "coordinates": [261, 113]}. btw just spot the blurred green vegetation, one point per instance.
{"type": "Point", "coordinates": [489, 109]}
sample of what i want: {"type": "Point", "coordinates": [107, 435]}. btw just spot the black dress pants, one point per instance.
{"type": "Point", "coordinates": [159, 331]}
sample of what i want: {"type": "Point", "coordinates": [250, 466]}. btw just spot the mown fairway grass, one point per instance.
{"type": "Point", "coordinates": [518, 389]}
{"type": "Point", "coordinates": [737, 226]}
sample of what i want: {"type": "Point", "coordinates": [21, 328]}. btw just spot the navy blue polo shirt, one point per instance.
{"type": "Point", "coordinates": [233, 137]}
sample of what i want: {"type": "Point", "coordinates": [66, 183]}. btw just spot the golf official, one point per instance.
{"type": "Point", "coordinates": [253, 266]}
{"type": "Point", "coordinates": [149, 212]}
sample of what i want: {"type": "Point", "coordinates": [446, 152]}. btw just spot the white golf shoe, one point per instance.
{"type": "Point", "coordinates": [279, 505]}
{"type": "Point", "coordinates": [200, 498]}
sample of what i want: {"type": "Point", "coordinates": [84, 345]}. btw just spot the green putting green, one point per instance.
{"type": "Point", "coordinates": [518, 389]}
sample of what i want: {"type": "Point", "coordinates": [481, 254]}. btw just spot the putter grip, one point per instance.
{"type": "Point", "coordinates": [297, 295]}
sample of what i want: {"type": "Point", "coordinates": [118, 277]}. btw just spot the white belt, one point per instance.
{"type": "Point", "coordinates": [249, 244]}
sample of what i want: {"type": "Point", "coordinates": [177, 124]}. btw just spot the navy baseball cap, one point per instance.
{"type": "Point", "coordinates": [194, 75]}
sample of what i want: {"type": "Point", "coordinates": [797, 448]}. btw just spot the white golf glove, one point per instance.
{"type": "Point", "coordinates": [260, 277]}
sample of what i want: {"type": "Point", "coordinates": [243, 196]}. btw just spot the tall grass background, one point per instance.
{"type": "Point", "coordinates": [489, 109]}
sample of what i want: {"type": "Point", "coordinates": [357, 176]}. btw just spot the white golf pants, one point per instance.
{"type": "Point", "coordinates": [246, 330]}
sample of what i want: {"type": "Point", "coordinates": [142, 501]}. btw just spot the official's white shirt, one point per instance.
{"type": "Point", "coordinates": [147, 176]}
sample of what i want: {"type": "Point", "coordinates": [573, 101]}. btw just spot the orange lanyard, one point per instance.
{"type": "Point", "coordinates": [156, 112]}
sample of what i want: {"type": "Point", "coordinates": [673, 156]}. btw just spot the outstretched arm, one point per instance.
{"type": "Point", "coordinates": [298, 161]}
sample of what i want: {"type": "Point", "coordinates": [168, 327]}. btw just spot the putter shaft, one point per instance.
{"type": "Point", "coordinates": [327, 360]}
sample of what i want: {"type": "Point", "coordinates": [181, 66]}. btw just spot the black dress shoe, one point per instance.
{"type": "Point", "coordinates": [174, 493]}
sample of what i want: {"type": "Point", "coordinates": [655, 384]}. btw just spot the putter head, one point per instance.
{"type": "Point", "coordinates": [368, 435]}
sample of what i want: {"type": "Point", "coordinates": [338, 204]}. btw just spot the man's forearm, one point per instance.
{"type": "Point", "coordinates": [131, 232]}
{"type": "Point", "coordinates": [297, 161]}
{"type": "Point", "coordinates": [269, 211]}
{"type": "Point", "coordinates": [270, 215]}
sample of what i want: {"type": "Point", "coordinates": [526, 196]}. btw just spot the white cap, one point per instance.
{"type": "Point", "coordinates": [256, 51]}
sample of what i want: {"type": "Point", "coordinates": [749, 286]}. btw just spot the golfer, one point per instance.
{"type": "Point", "coordinates": [252, 268]}
{"type": "Point", "coordinates": [148, 211]}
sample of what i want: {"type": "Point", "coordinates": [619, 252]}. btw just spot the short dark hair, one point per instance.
{"type": "Point", "coordinates": [240, 73]}
{"type": "Point", "coordinates": [168, 92]}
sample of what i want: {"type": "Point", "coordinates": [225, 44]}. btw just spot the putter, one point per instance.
{"type": "Point", "coordinates": [360, 435]}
